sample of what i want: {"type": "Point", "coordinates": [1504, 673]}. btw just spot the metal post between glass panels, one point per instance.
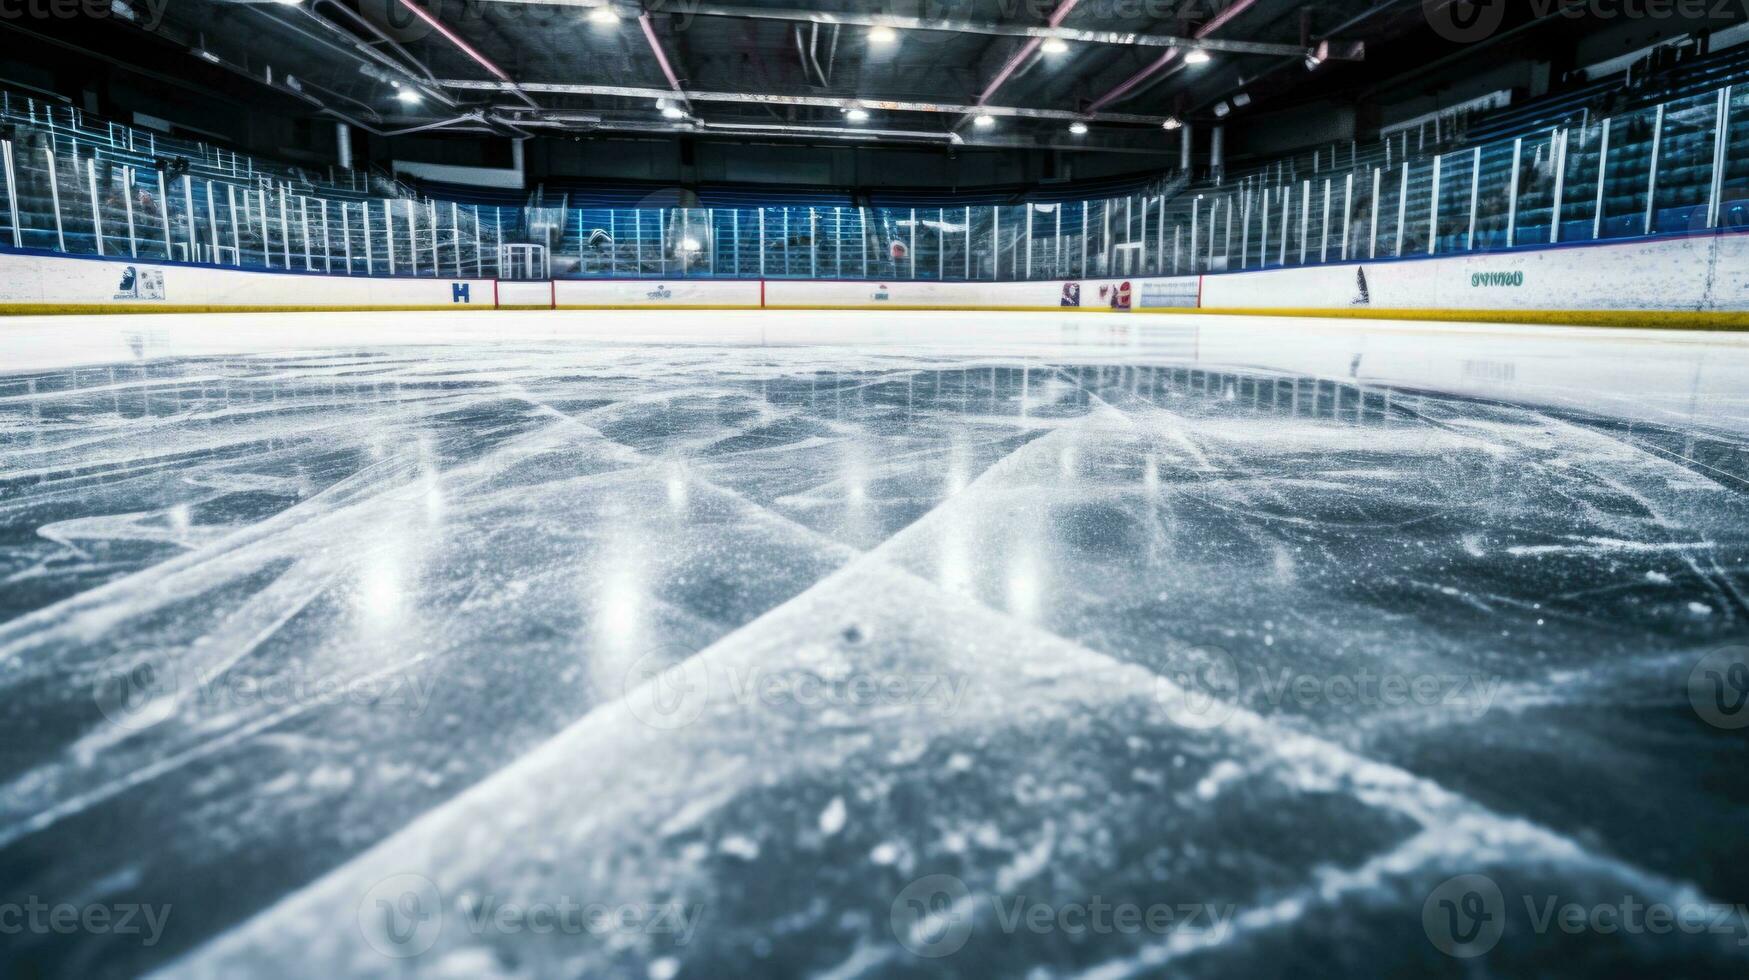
{"type": "Point", "coordinates": [327, 240]}
{"type": "Point", "coordinates": [1512, 193]}
{"type": "Point", "coordinates": [412, 237]}
{"type": "Point", "coordinates": [814, 245]}
{"type": "Point", "coordinates": [1347, 211]}
{"type": "Point", "coordinates": [370, 267]}
{"type": "Point", "coordinates": [55, 200]}
{"type": "Point", "coordinates": [1177, 246]}
{"type": "Point", "coordinates": [1324, 243]}
{"type": "Point", "coordinates": [285, 232]}
{"type": "Point", "coordinates": [236, 235]}
{"type": "Point", "coordinates": [1475, 197]}
{"type": "Point", "coordinates": [995, 242]}
{"type": "Point", "coordinates": [1287, 197]}
{"type": "Point", "coordinates": [1715, 188]}
{"type": "Point", "coordinates": [389, 235]}
{"type": "Point", "coordinates": [479, 233]}
{"type": "Point", "coordinates": [1028, 240]}
{"type": "Point", "coordinates": [455, 231]}
{"type": "Point", "coordinates": [1195, 217]}
{"type": "Point", "coordinates": [1244, 229]}
{"type": "Point", "coordinates": [96, 215]}
{"type": "Point", "coordinates": [1083, 269]}
{"type": "Point", "coordinates": [1372, 246]}
{"type": "Point", "coordinates": [346, 235]}
{"type": "Point", "coordinates": [1602, 169]}
{"type": "Point", "coordinates": [1305, 219]}
{"type": "Point", "coordinates": [127, 201]}
{"type": "Point", "coordinates": [1403, 206]}
{"type": "Point", "coordinates": [11, 191]}
{"type": "Point", "coordinates": [212, 224]}
{"type": "Point", "coordinates": [1263, 232]}
{"type": "Point", "coordinates": [304, 230]}
{"type": "Point", "coordinates": [911, 254]}
{"type": "Point", "coordinates": [188, 217]}
{"type": "Point", "coordinates": [1560, 188]}
{"type": "Point", "coordinates": [1652, 171]}
{"type": "Point", "coordinates": [762, 246]}
{"type": "Point", "coordinates": [1433, 210]}
{"type": "Point", "coordinates": [431, 219]}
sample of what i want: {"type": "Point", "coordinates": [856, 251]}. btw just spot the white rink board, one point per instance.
{"type": "Point", "coordinates": [37, 280]}
{"type": "Point", "coordinates": [1703, 274]}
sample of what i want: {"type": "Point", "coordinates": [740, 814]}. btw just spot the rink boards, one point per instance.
{"type": "Point", "coordinates": [1699, 281]}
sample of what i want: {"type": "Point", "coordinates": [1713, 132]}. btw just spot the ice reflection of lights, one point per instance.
{"type": "Point", "coordinates": [1151, 474]}
{"type": "Point", "coordinates": [1024, 584]}
{"type": "Point", "coordinates": [956, 559]}
{"type": "Point", "coordinates": [382, 585]}
{"type": "Point", "coordinates": [1066, 461]}
{"type": "Point", "coordinates": [677, 490]}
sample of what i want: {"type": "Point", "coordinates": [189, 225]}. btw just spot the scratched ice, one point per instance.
{"type": "Point", "coordinates": [1274, 626]}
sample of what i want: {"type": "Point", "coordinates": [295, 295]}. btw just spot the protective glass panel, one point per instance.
{"type": "Point", "coordinates": [1685, 165]}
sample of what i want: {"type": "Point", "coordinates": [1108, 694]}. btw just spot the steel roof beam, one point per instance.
{"type": "Point", "coordinates": [900, 22]}
{"type": "Point", "coordinates": [822, 101]}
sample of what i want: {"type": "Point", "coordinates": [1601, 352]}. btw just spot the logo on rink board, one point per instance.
{"type": "Point", "coordinates": [660, 292]}
{"type": "Point", "coordinates": [1071, 294]}
{"type": "Point", "coordinates": [1482, 279]}
{"type": "Point", "coordinates": [881, 294]}
{"type": "Point", "coordinates": [141, 284]}
{"type": "Point", "coordinates": [1117, 296]}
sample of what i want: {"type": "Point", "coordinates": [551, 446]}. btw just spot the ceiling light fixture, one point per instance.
{"type": "Point", "coordinates": [856, 114]}
{"type": "Point", "coordinates": [1171, 123]}
{"type": "Point", "coordinates": [983, 120]}
{"type": "Point", "coordinates": [673, 112]}
{"type": "Point", "coordinates": [1241, 100]}
{"type": "Point", "coordinates": [882, 34]}
{"type": "Point", "coordinates": [1221, 110]}
{"type": "Point", "coordinates": [409, 96]}
{"type": "Point", "coordinates": [601, 16]}
{"type": "Point", "coordinates": [1054, 45]}
{"type": "Point", "coordinates": [1078, 128]}
{"type": "Point", "coordinates": [1196, 56]}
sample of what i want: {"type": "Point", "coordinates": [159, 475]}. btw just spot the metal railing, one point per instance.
{"type": "Point", "coordinates": [1674, 168]}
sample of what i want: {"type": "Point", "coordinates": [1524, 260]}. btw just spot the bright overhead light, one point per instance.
{"type": "Point", "coordinates": [605, 16]}
{"type": "Point", "coordinates": [673, 112]}
{"type": "Point", "coordinates": [1054, 45]}
{"type": "Point", "coordinates": [289, 3]}
{"type": "Point", "coordinates": [1196, 56]}
{"type": "Point", "coordinates": [856, 114]}
{"type": "Point", "coordinates": [409, 96]}
{"type": "Point", "coordinates": [1313, 61]}
{"type": "Point", "coordinates": [1171, 123]}
{"type": "Point", "coordinates": [882, 34]}
{"type": "Point", "coordinates": [206, 55]}
{"type": "Point", "coordinates": [1078, 128]}
{"type": "Point", "coordinates": [1221, 110]}
{"type": "Point", "coordinates": [1241, 100]}
{"type": "Point", "coordinates": [983, 120]}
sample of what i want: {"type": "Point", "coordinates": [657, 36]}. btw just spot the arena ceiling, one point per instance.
{"type": "Point", "coordinates": [1082, 74]}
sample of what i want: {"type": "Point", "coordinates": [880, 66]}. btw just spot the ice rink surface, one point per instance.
{"type": "Point", "coordinates": [841, 644]}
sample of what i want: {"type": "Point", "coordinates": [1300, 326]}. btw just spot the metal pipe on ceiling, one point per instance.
{"type": "Point", "coordinates": [661, 56]}
{"type": "Point", "coordinates": [946, 25]}
{"type": "Point", "coordinates": [1019, 57]}
{"type": "Point", "coordinates": [1220, 20]}
{"type": "Point", "coordinates": [821, 101]}
{"type": "Point", "coordinates": [465, 48]}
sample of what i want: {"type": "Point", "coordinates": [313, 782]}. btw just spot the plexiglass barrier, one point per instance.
{"type": "Point", "coordinates": [71, 186]}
